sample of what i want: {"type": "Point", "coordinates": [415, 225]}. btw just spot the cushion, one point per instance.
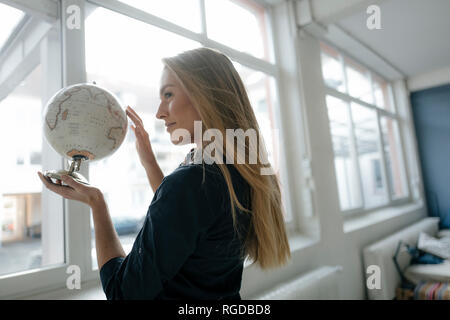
{"type": "Point", "coordinates": [437, 247]}
{"type": "Point", "coordinates": [419, 256]}
{"type": "Point", "coordinates": [444, 233]}
{"type": "Point", "coordinates": [428, 272]}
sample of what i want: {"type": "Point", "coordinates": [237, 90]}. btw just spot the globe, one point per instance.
{"type": "Point", "coordinates": [83, 122]}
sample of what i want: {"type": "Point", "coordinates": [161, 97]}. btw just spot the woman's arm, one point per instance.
{"type": "Point", "coordinates": [106, 239]}
{"type": "Point", "coordinates": [144, 149]}
{"type": "Point", "coordinates": [154, 174]}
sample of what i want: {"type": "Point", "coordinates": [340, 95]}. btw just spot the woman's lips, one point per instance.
{"type": "Point", "coordinates": [170, 124]}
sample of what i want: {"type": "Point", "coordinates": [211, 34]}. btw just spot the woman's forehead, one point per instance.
{"type": "Point", "coordinates": [167, 76]}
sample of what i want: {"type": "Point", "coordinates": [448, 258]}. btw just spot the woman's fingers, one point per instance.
{"type": "Point", "coordinates": [77, 186]}
{"type": "Point", "coordinates": [69, 181]}
{"type": "Point", "coordinates": [138, 131]}
{"type": "Point", "coordinates": [135, 130]}
{"type": "Point", "coordinates": [71, 189]}
{"type": "Point", "coordinates": [131, 110]}
{"type": "Point", "coordinates": [57, 188]}
{"type": "Point", "coordinates": [134, 117]}
{"type": "Point", "coordinates": [46, 180]}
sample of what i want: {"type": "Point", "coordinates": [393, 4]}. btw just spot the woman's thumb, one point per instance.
{"type": "Point", "coordinates": [70, 181]}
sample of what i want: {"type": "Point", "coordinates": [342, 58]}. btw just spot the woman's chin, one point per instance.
{"type": "Point", "coordinates": [180, 140]}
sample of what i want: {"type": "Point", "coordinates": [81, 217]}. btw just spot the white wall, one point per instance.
{"type": "Point", "coordinates": [430, 79]}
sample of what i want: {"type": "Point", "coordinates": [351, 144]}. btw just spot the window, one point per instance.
{"type": "Point", "coordinates": [135, 80]}
{"type": "Point", "coordinates": [185, 13]}
{"type": "Point", "coordinates": [123, 46]}
{"type": "Point", "coordinates": [364, 127]}
{"type": "Point", "coordinates": [333, 73]}
{"type": "Point", "coordinates": [32, 231]}
{"type": "Point", "coordinates": [394, 159]}
{"type": "Point", "coordinates": [248, 21]}
{"type": "Point", "coordinates": [10, 18]}
{"type": "Point", "coordinates": [369, 155]}
{"type": "Point", "coordinates": [345, 160]}
{"type": "Point", "coordinates": [358, 81]}
{"type": "Point", "coordinates": [381, 93]}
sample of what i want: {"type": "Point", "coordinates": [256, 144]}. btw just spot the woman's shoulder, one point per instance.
{"type": "Point", "coordinates": [210, 171]}
{"type": "Point", "coordinates": [190, 178]}
{"type": "Point", "coordinates": [193, 172]}
{"type": "Point", "coordinates": [208, 177]}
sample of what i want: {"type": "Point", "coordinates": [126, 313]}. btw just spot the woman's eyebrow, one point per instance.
{"type": "Point", "coordinates": [165, 86]}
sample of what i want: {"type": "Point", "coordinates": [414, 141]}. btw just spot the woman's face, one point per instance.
{"type": "Point", "coordinates": [176, 109]}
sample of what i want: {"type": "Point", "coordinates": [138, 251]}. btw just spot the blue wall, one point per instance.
{"type": "Point", "coordinates": [431, 113]}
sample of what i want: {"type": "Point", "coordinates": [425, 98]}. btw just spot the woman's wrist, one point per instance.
{"type": "Point", "coordinates": [150, 162]}
{"type": "Point", "coordinates": [96, 199]}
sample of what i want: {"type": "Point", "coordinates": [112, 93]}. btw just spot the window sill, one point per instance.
{"type": "Point", "coordinates": [90, 290]}
{"type": "Point", "coordinates": [366, 220]}
{"type": "Point", "coordinates": [297, 243]}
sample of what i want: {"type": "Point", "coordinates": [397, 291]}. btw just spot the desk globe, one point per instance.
{"type": "Point", "coordinates": [83, 122]}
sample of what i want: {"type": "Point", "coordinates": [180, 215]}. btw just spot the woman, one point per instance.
{"type": "Point", "coordinates": [204, 218]}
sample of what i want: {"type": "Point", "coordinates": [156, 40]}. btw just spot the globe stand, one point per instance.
{"type": "Point", "coordinates": [74, 166]}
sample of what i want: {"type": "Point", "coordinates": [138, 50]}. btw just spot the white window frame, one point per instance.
{"type": "Point", "coordinates": [71, 70]}
{"type": "Point", "coordinates": [380, 112]}
{"type": "Point", "coordinates": [28, 38]}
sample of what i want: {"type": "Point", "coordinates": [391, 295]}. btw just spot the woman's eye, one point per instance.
{"type": "Point", "coordinates": [167, 95]}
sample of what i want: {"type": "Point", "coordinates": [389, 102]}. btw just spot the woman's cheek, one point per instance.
{"type": "Point", "coordinates": [172, 106]}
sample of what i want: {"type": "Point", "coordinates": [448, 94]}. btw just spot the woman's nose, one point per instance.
{"type": "Point", "coordinates": [162, 111]}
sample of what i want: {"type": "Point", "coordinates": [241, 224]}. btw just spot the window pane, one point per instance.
{"type": "Point", "coordinates": [29, 237]}
{"type": "Point", "coordinates": [358, 81]}
{"type": "Point", "coordinates": [185, 13]}
{"type": "Point", "coordinates": [31, 221]}
{"type": "Point", "coordinates": [135, 80]}
{"type": "Point", "coordinates": [239, 24]}
{"type": "Point", "coordinates": [392, 148]}
{"type": "Point", "coordinates": [370, 161]}
{"type": "Point", "coordinates": [344, 158]}
{"type": "Point", "coordinates": [332, 70]}
{"type": "Point", "coordinates": [381, 93]}
{"type": "Point", "coordinates": [262, 95]}
{"type": "Point", "coordinates": [9, 19]}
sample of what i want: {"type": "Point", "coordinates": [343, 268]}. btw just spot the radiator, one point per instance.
{"type": "Point", "coordinates": [318, 284]}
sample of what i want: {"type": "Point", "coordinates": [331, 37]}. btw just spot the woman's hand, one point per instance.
{"type": "Point", "coordinates": [73, 190]}
{"type": "Point", "coordinates": [143, 145]}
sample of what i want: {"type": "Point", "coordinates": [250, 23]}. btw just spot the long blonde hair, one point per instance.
{"type": "Point", "coordinates": [218, 93]}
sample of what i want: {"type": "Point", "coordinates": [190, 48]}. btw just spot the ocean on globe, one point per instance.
{"type": "Point", "coordinates": [84, 121]}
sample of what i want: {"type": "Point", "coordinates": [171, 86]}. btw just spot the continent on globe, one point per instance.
{"type": "Point", "coordinates": [64, 115]}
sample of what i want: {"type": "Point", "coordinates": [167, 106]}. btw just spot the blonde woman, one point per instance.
{"type": "Point", "coordinates": [205, 218]}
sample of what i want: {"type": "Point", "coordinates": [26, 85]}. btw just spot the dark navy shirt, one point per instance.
{"type": "Point", "coordinates": [187, 247]}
